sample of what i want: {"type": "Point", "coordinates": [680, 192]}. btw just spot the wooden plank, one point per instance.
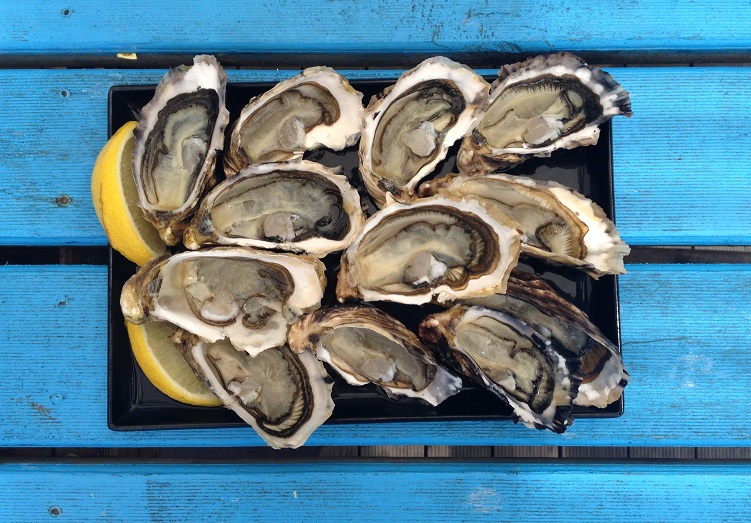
{"type": "Point", "coordinates": [684, 329]}
{"type": "Point", "coordinates": [594, 452]}
{"type": "Point", "coordinates": [375, 492]}
{"type": "Point", "coordinates": [527, 452]}
{"type": "Point", "coordinates": [45, 172]}
{"type": "Point", "coordinates": [338, 26]}
{"type": "Point", "coordinates": [446, 451]}
{"type": "Point", "coordinates": [662, 453]}
{"type": "Point", "coordinates": [668, 190]}
{"type": "Point", "coordinates": [393, 451]}
{"type": "Point", "coordinates": [724, 453]}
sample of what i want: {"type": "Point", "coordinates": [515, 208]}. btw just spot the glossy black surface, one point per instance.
{"type": "Point", "coordinates": [135, 404]}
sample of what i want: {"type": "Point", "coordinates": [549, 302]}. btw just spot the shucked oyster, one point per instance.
{"type": "Point", "coordinates": [540, 105]}
{"type": "Point", "coordinates": [410, 126]}
{"type": "Point", "coordinates": [366, 345]}
{"type": "Point", "coordinates": [245, 295]}
{"type": "Point", "coordinates": [316, 108]}
{"type": "Point", "coordinates": [284, 396]}
{"type": "Point", "coordinates": [533, 301]}
{"type": "Point", "coordinates": [536, 376]}
{"type": "Point", "coordinates": [295, 206]}
{"type": "Point", "coordinates": [559, 224]}
{"type": "Point", "coordinates": [432, 249]}
{"type": "Point", "coordinates": [174, 154]}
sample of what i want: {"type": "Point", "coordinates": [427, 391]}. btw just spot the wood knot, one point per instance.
{"type": "Point", "coordinates": [63, 200]}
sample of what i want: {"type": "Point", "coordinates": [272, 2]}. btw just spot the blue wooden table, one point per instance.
{"type": "Point", "coordinates": [681, 167]}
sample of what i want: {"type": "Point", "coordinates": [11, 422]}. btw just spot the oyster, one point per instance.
{"type": "Point", "coordinates": [432, 249]}
{"type": "Point", "coordinates": [294, 206]}
{"type": "Point", "coordinates": [560, 224]}
{"type": "Point", "coordinates": [245, 295]}
{"type": "Point", "coordinates": [536, 376]}
{"type": "Point", "coordinates": [409, 127]}
{"type": "Point", "coordinates": [316, 108]}
{"type": "Point", "coordinates": [540, 105]}
{"type": "Point", "coordinates": [533, 301]}
{"type": "Point", "coordinates": [366, 345]}
{"type": "Point", "coordinates": [284, 396]}
{"type": "Point", "coordinates": [174, 154]}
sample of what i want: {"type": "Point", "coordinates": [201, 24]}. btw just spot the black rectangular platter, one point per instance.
{"type": "Point", "coordinates": [135, 404]}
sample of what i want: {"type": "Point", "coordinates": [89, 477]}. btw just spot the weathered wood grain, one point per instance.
{"type": "Point", "coordinates": [425, 492]}
{"type": "Point", "coordinates": [684, 333]}
{"type": "Point", "coordinates": [669, 190]}
{"type": "Point", "coordinates": [339, 26]}
{"type": "Point", "coordinates": [686, 453]}
{"type": "Point", "coordinates": [446, 451]}
{"type": "Point", "coordinates": [527, 452]}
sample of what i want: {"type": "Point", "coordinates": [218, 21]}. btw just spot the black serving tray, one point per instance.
{"type": "Point", "coordinates": [133, 403]}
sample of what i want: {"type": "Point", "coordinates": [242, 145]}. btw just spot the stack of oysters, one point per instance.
{"type": "Point", "coordinates": [247, 293]}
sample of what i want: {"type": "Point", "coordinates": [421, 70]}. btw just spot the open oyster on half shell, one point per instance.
{"type": "Point", "coordinates": [176, 141]}
{"type": "Point", "coordinates": [316, 108]}
{"type": "Point", "coordinates": [532, 372]}
{"type": "Point", "coordinates": [409, 127]}
{"type": "Point", "coordinates": [537, 106]}
{"type": "Point", "coordinates": [560, 225]}
{"type": "Point", "coordinates": [283, 395]}
{"type": "Point", "coordinates": [534, 301]}
{"type": "Point", "coordinates": [242, 294]}
{"type": "Point", "coordinates": [366, 345]}
{"type": "Point", "coordinates": [431, 249]}
{"type": "Point", "coordinates": [294, 206]}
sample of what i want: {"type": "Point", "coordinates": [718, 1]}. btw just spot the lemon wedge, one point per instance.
{"type": "Point", "coordinates": [161, 362]}
{"type": "Point", "coordinates": [115, 198]}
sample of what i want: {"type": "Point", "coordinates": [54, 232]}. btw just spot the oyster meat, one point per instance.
{"type": "Point", "coordinates": [316, 108]}
{"type": "Point", "coordinates": [248, 296]}
{"type": "Point", "coordinates": [176, 141]}
{"type": "Point", "coordinates": [432, 249]}
{"type": "Point", "coordinates": [537, 106]}
{"type": "Point", "coordinates": [366, 345]}
{"type": "Point", "coordinates": [532, 300]}
{"type": "Point", "coordinates": [560, 225]}
{"type": "Point", "coordinates": [533, 373]}
{"type": "Point", "coordinates": [294, 206]}
{"type": "Point", "coordinates": [409, 127]}
{"type": "Point", "coordinates": [284, 396]}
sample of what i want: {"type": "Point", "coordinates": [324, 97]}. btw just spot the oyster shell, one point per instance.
{"type": "Point", "coordinates": [537, 106]}
{"type": "Point", "coordinates": [533, 301]}
{"type": "Point", "coordinates": [174, 154]}
{"type": "Point", "coordinates": [316, 108]}
{"type": "Point", "coordinates": [560, 225]}
{"type": "Point", "coordinates": [245, 295]}
{"type": "Point", "coordinates": [409, 127]}
{"type": "Point", "coordinates": [284, 396]}
{"type": "Point", "coordinates": [366, 345]}
{"type": "Point", "coordinates": [294, 206]}
{"type": "Point", "coordinates": [534, 374]}
{"type": "Point", "coordinates": [432, 249]}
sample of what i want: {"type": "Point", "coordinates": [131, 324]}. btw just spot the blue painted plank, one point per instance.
{"type": "Point", "coordinates": [376, 492]}
{"type": "Point", "coordinates": [422, 26]}
{"type": "Point", "coordinates": [672, 184]}
{"type": "Point", "coordinates": [682, 164]}
{"type": "Point", "coordinates": [684, 332]}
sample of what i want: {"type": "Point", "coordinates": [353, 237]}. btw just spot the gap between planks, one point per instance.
{"type": "Point", "coordinates": [409, 452]}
